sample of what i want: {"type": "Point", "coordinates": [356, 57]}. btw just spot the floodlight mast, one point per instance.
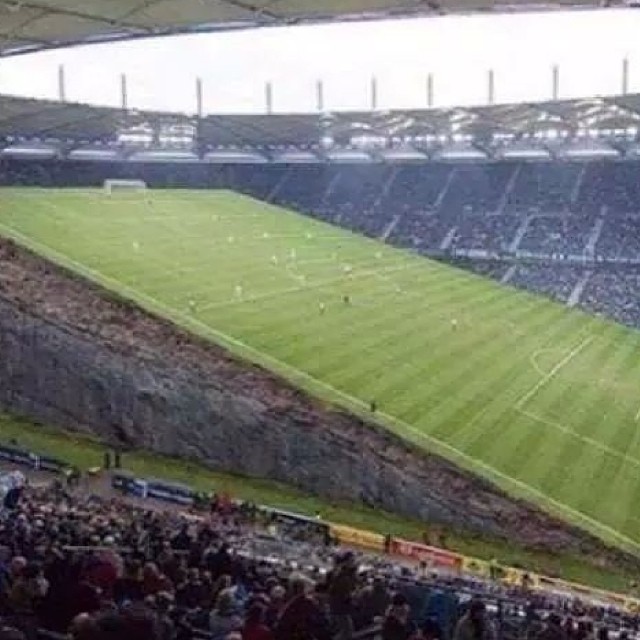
{"type": "Point", "coordinates": [199, 98]}
{"type": "Point", "coordinates": [268, 98]}
{"type": "Point", "coordinates": [320, 96]}
{"type": "Point", "coordinates": [62, 89]}
{"type": "Point", "coordinates": [124, 97]}
{"type": "Point", "coordinates": [374, 94]}
{"type": "Point", "coordinates": [491, 87]}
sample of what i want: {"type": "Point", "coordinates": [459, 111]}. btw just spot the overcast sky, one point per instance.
{"type": "Point", "coordinates": [587, 45]}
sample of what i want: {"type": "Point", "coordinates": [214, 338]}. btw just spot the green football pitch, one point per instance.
{"type": "Point", "coordinates": [543, 400]}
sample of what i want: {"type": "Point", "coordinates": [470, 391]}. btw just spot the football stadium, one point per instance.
{"type": "Point", "coordinates": [338, 374]}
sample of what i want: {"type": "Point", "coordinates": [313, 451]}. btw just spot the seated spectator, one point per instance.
{"type": "Point", "coordinates": [430, 630]}
{"type": "Point", "coordinates": [254, 627]}
{"type": "Point", "coordinates": [224, 619]}
{"type": "Point", "coordinates": [129, 588]}
{"type": "Point", "coordinates": [28, 591]}
{"type": "Point", "coordinates": [342, 583]}
{"type": "Point", "coordinates": [372, 602]}
{"type": "Point", "coordinates": [153, 580]}
{"type": "Point", "coordinates": [553, 629]}
{"type": "Point", "coordinates": [397, 625]}
{"type": "Point", "coordinates": [475, 625]}
{"type": "Point", "coordinates": [277, 601]}
{"type": "Point", "coordinates": [193, 592]}
{"type": "Point", "coordinates": [83, 627]}
{"type": "Point", "coordinates": [302, 618]}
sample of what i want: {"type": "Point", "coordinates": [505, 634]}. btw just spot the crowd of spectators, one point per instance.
{"type": "Point", "coordinates": [620, 240]}
{"type": "Point", "coordinates": [419, 230]}
{"type": "Point", "coordinates": [557, 236]}
{"type": "Point", "coordinates": [477, 189]}
{"type": "Point", "coordinates": [544, 186]}
{"type": "Point", "coordinates": [615, 295]}
{"type": "Point", "coordinates": [99, 568]}
{"type": "Point", "coordinates": [609, 188]}
{"type": "Point", "coordinates": [554, 281]}
{"type": "Point", "coordinates": [493, 233]}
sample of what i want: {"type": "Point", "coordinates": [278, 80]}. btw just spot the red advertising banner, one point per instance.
{"type": "Point", "coordinates": [423, 553]}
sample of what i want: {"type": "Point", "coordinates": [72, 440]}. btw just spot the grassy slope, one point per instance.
{"type": "Point", "coordinates": [541, 399]}
{"type": "Point", "coordinates": [87, 453]}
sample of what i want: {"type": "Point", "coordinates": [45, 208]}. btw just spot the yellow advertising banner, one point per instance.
{"type": "Point", "coordinates": [477, 567]}
{"type": "Point", "coordinates": [357, 537]}
{"type": "Point", "coordinates": [513, 577]}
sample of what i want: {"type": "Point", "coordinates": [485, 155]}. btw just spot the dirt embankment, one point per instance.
{"type": "Point", "coordinates": [75, 355]}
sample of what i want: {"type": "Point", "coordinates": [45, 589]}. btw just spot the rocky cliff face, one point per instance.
{"type": "Point", "coordinates": [73, 355]}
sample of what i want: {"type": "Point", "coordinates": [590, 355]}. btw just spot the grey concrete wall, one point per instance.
{"type": "Point", "coordinates": [55, 374]}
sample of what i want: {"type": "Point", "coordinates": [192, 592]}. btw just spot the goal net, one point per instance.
{"type": "Point", "coordinates": [124, 185]}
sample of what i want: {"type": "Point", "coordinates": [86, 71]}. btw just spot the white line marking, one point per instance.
{"type": "Point", "coordinates": [307, 287]}
{"type": "Point", "coordinates": [586, 439]}
{"type": "Point", "coordinates": [638, 415]}
{"type": "Point", "coordinates": [534, 361]}
{"type": "Point", "coordinates": [279, 366]}
{"type": "Point", "coordinates": [546, 378]}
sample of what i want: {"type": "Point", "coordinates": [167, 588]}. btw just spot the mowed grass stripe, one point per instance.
{"type": "Point", "coordinates": [436, 337]}
{"type": "Point", "coordinates": [464, 383]}
{"type": "Point", "coordinates": [475, 389]}
{"type": "Point", "coordinates": [487, 429]}
{"type": "Point", "coordinates": [556, 468]}
{"type": "Point", "coordinates": [404, 328]}
{"type": "Point", "coordinates": [599, 474]}
{"type": "Point", "coordinates": [347, 320]}
{"type": "Point", "coordinates": [564, 398]}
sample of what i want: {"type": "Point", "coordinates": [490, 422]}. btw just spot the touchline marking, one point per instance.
{"type": "Point", "coordinates": [586, 439]}
{"type": "Point", "coordinates": [546, 378]}
{"type": "Point", "coordinates": [156, 305]}
{"type": "Point", "coordinates": [638, 415]}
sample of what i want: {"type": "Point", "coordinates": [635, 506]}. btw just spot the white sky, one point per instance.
{"type": "Point", "coordinates": [587, 45]}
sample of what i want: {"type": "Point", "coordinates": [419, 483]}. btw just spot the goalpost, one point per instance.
{"type": "Point", "coordinates": [124, 185]}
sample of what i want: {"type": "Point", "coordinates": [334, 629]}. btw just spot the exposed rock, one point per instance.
{"type": "Point", "coordinates": [75, 355]}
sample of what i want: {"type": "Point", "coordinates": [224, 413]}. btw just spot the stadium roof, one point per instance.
{"type": "Point", "coordinates": [75, 124]}
{"type": "Point", "coordinates": [30, 25]}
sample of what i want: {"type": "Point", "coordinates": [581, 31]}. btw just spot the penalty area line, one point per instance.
{"type": "Point", "coordinates": [279, 367]}
{"type": "Point", "coordinates": [552, 373]}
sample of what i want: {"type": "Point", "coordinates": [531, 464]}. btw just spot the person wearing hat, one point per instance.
{"type": "Point", "coordinates": [475, 625]}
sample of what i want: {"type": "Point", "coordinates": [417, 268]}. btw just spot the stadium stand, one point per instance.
{"type": "Point", "coordinates": [555, 281]}
{"type": "Point", "coordinates": [556, 236]}
{"type": "Point", "coordinates": [543, 187]}
{"type": "Point", "coordinates": [476, 189]}
{"type": "Point", "coordinates": [614, 294]}
{"type": "Point", "coordinates": [620, 239]}
{"type": "Point", "coordinates": [609, 189]}
{"type": "Point", "coordinates": [493, 233]}
{"type": "Point", "coordinates": [80, 559]}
